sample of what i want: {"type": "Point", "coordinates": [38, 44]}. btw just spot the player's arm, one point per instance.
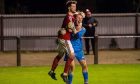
{"type": "Point", "coordinates": [71, 25]}
{"type": "Point", "coordinates": [80, 33]}
{"type": "Point", "coordinates": [95, 23]}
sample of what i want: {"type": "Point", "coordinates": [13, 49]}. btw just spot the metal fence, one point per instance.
{"type": "Point", "coordinates": [48, 25]}
{"type": "Point", "coordinates": [38, 32]}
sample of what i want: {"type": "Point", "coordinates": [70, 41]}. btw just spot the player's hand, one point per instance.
{"type": "Point", "coordinates": [70, 30]}
{"type": "Point", "coordinates": [94, 24]}
{"type": "Point", "coordinates": [62, 31]}
{"type": "Point", "coordinates": [90, 25]}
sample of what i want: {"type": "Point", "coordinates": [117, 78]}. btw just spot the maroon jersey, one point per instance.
{"type": "Point", "coordinates": [68, 19]}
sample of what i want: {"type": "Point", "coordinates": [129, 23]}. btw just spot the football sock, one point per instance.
{"type": "Point", "coordinates": [55, 62]}
{"type": "Point", "coordinates": [85, 75]}
{"type": "Point", "coordinates": [67, 65]}
{"type": "Point", "coordinates": [70, 77]}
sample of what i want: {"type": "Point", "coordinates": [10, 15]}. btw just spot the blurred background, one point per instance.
{"type": "Point", "coordinates": [32, 25]}
{"type": "Point", "coordinates": [58, 7]}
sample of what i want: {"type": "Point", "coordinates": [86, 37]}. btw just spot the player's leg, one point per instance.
{"type": "Point", "coordinates": [70, 72]}
{"type": "Point", "coordinates": [61, 53]}
{"type": "Point", "coordinates": [68, 62]}
{"type": "Point", "coordinates": [81, 59]}
{"type": "Point", "coordinates": [87, 45]}
{"type": "Point", "coordinates": [54, 65]}
{"type": "Point", "coordinates": [84, 70]}
{"type": "Point", "coordinates": [70, 75]}
{"type": "Point", "coordinates": [56, 60]}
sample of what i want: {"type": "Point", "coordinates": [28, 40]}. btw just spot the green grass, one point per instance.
{"type": "Point", "coordinates": [98, 74]}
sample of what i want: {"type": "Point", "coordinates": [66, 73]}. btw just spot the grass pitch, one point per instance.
{"type": "Point", "coordinates": [98, 74]}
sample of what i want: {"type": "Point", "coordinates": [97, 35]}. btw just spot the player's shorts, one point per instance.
{"type": "Point", "coordinates": [65, 46]}
{"type": "Point", "coordinates": [79, 55]}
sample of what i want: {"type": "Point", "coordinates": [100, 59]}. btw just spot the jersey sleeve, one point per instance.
{"type": "Point", "coordinates": [70, 22]}
{"type": "Point", "coordinates": [81, 33]}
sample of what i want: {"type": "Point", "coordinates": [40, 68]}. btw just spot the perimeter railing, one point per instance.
{"type": "Point", "coordinates": [28, 29]}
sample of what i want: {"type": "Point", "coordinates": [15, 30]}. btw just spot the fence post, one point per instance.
{"type": "Point", "coordinates": [18, 52]}
{"type": "Point", "coordinates": [96, 50]}
{"type": "Point", "coordinates": [1, 34]}
{"type": "Point", "coordinates": [136, 30]}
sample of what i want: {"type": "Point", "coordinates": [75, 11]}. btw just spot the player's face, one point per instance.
{"type": "Point", "coordinates": [73, 8]}
{"type": "Point", "coordinates": [79, 18]}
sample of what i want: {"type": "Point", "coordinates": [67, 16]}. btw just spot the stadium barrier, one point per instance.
{"type": "Point", "coordinates": [48, 25]}
{"type": "Point", "coordinates": [96, 56]}
{"type": "Point", "coordinates": [18, 45]}
{"type": "Point", "coordinates": [18, 54]}
{"type": "Point", "coordinates": [97, 37]}
{"type": "Point", "coordinates": [21, 27]}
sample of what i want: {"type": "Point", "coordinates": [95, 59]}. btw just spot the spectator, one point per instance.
{"type": "Point", "coordinates": [89, 23]}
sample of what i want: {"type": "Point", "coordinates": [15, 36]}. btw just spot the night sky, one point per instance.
{"type": "Point", "coordinates": [58, 6]}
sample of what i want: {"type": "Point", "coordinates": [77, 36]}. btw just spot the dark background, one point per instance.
{"type": "Point", "coordinates": [58, 6]}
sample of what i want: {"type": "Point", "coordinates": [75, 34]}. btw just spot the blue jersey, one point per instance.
{"type": "Point", "coordinates": [76, 40]}
{"type": "Point", "coordinates": [77, 44]}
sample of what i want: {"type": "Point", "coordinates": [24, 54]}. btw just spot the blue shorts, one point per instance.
{"type": "Point", "coordinates": [79, 56]}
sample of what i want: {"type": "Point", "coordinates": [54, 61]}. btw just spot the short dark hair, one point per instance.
{"type": "Point", "coordinates": [69, 2]}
